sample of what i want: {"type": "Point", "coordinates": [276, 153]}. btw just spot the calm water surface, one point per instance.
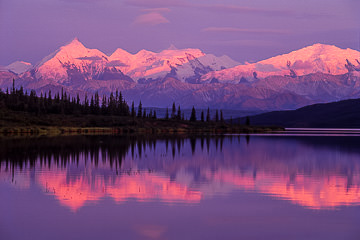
{"type": "Point", "coordinates": [230, 187]}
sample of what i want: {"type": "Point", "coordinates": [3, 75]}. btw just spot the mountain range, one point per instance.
{"type": "Point", "coordinates": [314, 74]}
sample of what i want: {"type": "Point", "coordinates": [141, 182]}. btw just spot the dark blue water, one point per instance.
{"type": "Point", "coordinates": [229, 187]}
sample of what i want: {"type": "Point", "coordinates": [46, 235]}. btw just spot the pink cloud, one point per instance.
{"type": "Point", "coordinates": [208, 7]}
{"type": "Point", "coordinates": [244, 42]}
{"type": "Point", "coordinates": [243, 30]}
{"type": "Point", "coordinates": [158, 10]}
{"type": "Point", "coordinates": [152, 18]}
{"type": "Point", "coordinates": [241, 9]}
{"type": "Point", "coordinates": [154, 3]}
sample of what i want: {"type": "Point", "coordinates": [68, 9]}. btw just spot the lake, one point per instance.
{"type": "Point", "coordinates": [293, 186]}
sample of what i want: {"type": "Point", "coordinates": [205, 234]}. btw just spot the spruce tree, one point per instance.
{"type": "Point", "coordinates": [97, 103]}
{"type": "Point", "coordinates": [150, 114]}
{"type": "Point", "coordinates": [77, 99]}
{"type": "Point", "coordinates": [178, 116]}
{"type": "Point", "coordinates": [173, 111]}
{"type": "Point", "coordinates": [92, 105]}
{"type": "Point", "coordinates": [193, 115]}
{"type": "Point", "coordinates": [112, 104]}
{"type": "Point", "coordinates": [13, 86]}
{"type": "Point", "coordinates": [49, 100]}
{"type": "Point", "coordinates": [139, 115]}
{"type": "Point", "coordinates": [202, 116]}
{"type": "Point", "coordinates": [208, 115]}
{"type": "Point", "coordinates": [32, 100]}
{"type": "Point", "coordinates": [221, 116]}
{"type": "Point", "coordinates": [121, 105]}
{"type": "Point", "coordinates": [217, 116]}
{"type": "Point", "coordinates": [132, 109]}
{"type": "Point", "coordinates": [144, 114]}
{"type": "Point", "coordinates": [104, 105]}
{"type": "Point", "coordinates": [86, 104]}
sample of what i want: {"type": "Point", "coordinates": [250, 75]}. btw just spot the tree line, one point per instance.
{"type": "Point", "coordinates": [62, 103]}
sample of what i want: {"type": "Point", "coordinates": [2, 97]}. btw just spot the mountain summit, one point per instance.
{"type": "Point", "coordinates": [75, 57]}
{"type": "Point", "coordinates": [312, 59]}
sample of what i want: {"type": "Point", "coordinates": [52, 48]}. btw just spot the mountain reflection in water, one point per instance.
{"type": "Point", "coordinates": [313, 172]}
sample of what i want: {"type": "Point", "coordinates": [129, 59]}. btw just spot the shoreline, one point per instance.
{"type": "Point", "coordinates": [17, 123]}
{"type": "Point", "coordinates": [70, 131]}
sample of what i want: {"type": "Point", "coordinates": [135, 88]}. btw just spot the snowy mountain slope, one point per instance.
{"type": "Point", "coordinates": [19, 67]}
{"type": "Point", "coordinates": [316, 58]}
{"type": "Point", "coordinates": [146, 64]}
{"type": "Point", "coordinates": [76, 63]}
{"type": "Point", "coordinates": [6, 79]}
{"type": "Point", "coordinates": [70, 59]}
{"type": "Point", "coordinates": [195, 68]}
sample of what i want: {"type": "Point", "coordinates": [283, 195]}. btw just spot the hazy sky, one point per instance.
{"type": "Point", "coordinates": [246, 30]}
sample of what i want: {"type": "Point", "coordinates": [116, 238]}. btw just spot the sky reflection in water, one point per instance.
{"type": "Point", "coordinates": [243, 178]}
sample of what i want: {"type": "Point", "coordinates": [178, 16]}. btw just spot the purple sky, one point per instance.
{"type": "Point", "coordinates": [246, 30]}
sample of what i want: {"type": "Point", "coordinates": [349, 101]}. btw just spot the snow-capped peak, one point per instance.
{"type": "Point", "coordinates": [327, 53]}
{"type": "Point", "coordinates": [316, 58]}
{"type": "Point", "coordinates": [73, 54]}
{"type": "Point", "coordinates": [75, 42]}
{"type": "Point", "coordinates": [311, 59]}
{"type": "Point", "coordinates": [73, 50]}
{"type": "Point", "coordinates": [19, 67]}
{"type": "Point", "coordinates": [120, 58]}
{"type": "Point", "coordinates": [144, 53]}
{"type": "Point", "coordinates": [148, 64]}
{"type": "Point", "coordinates": [119, 53]}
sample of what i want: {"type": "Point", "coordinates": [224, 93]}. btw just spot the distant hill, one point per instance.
{"type": "Point", "coordinates": [342, 114]}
